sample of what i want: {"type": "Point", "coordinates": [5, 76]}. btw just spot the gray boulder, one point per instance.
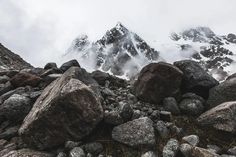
{"type": "Point", "coordinates": [139, 132]}
{"type": "Point", "coordinates": [191, 104]}
{"type": "Point", "coordinates": [171, 105]}
{"type": "Point", "coordinates": [224, 92]}
{"type": "Point", "coordinates": [191, 139]}
{"type": "Point", "coordinates": [66, 110]}
{"type": "Point", "coordinates": [195, 78]}
{"type": "Point", "coordinates": [67, 65]}
{"type": "Point", "coordinates": [221, 117]}
{"type": "Point", "coordinates": [16, 107]}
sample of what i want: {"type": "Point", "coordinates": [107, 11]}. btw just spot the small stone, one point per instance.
{"type": "Point", "coordinates": [165, 116]}
{"type": "Point", "coordinates": [61, 154]}
{"type": "Point", "coordinates": [186, 149]}
{"type": "Point", "coordinates": [191, 139]}
{"type": "Point", "coordinates": [77, 152]}
{"type": "Point", "coordinates": [113, 118]}
{"type": "Point", "coordinates": [214, 148]}
{"type": "Point", "coordinates": [149, 154]}
{"type": "Point", "coordinates": [171, 148]}
{"type": "Point", "coordinates": [126, 111]}
{"type": "Point", "coordinates": [232, 151]}
{"type": "Point", "coordinates": [93, 148]}
{"type": "Point", "coordinates": [170, 104]}
{"type": "Point", "coordinates": [162, 129]}
{"type": "Point", "coordinates": [71, 144]}
{"type": "Point", "coordinates": [201, 152]}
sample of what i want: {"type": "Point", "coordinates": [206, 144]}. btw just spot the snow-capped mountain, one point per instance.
{"type": "Point", "coordinates": [120, 51]}
{"type": "Point", "coordinates": [10, 60]}
{"type": "Point", "coordinates": [217, 54]}
{"type": "Point", "coordinates": [123, 53]}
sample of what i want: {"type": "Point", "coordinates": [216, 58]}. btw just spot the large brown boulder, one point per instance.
{"type": "Point", "coordinates": [66, 110]}
{"type": "Point", "coordinates": [221, 117]}
{"type": "Point", "coordinates": [157, 81]}
{"type": "Point", "coordinates": [23, 79]}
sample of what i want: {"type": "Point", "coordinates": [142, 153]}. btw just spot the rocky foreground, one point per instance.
{"type": "Point", "coordinates": [174, 110]}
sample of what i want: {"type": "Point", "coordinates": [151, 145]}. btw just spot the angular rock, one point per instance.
{"type": "Point", "coordinates": [221, 117]}
{"type": "Point", "coordinates": [171, 148]}
{"type": "Point", "coordinates": [23, 79]}
{"type": "Point", "coordinates": [4, 79]}
{"type": "Point", "coordinates": [69, 64]}
{"type": "Point", "coordinates": [195, 78]}
{"type": "Point", "coordinates": [126, 111]}
{"type": "Point", "coordinates": [4, 88]}
{"type": "Point", "coordinates": [162, 129]}
{"type": "Point", "coordinates": [186, 149]}
{"type": "Point", "coordinates": [170, 104]}
{"type": "Point", "coordinates": [157, 81]}
{"type": "Point", "coordinates": [191, 107]}
{"type": "Point", "coordinates": [232, 151]}
{"type": "Point", "coordinates": [139, 132]}
{"type": "Point", "coordinates": [191, 139]}
{"type": "Point", "coordinates": [93, 148]}
{"type": "Point", "coordinates": [50, 66]}
{"type": "Point", "coordinates": [27, 153]}
{"type": "Point", "coordinates": [113, 118]}
{"type": "Point", "coordinates": [66, 110]}
{"type": "Point", "coordinates": [224, 92]}
{"type": "Point", "coordinates": [201, 152]}
{"type": "Point", "coordinates": [15, 108]}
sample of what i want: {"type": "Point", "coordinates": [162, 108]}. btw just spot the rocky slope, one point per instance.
{"type": "Point", "coordinates": [10, 60]}
{"type": "Point", "coordinates": [171, 110]}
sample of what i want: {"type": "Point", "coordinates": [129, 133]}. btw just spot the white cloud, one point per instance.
{"type": "Point", "coordinates": [41, 30]}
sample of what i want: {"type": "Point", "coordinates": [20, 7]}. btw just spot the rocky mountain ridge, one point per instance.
{"type": "Point", "coordinates": [10, 60]}
{"type": "Point", "coordinates": [123, 53]}
{"type": "Point", "coordinates": [120, 51]}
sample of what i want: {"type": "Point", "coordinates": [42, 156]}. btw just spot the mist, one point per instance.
{"type": "Point", "coordinates": [41, 31]}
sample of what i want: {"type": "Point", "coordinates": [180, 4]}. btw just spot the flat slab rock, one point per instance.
{"type": "Point", "coordinates": [139, 132]}
{"type": "Point", "coordinates": [27, 153]}
{"type": "Point", "coordinates": [221, 117]}
{"type": "Point", "coordinates": [66, 110]}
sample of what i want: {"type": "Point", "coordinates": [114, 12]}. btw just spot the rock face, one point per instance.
{"type": "Point", "coordinates": [67, 109]}
{"type": "Point", "coordinates": [157, 81]}
{"type": "Point", "coordinates": [195, 78]}
{"type": "Point", "coordinates": [224, 92]}
{"type": "Point", "coordinates": [221, 117]}
{"type": "Point", "coordinates": [10, 60]}
{"type": "Point", "coordinates": [139, 132]}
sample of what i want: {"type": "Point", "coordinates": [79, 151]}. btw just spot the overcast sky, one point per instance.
{"type": "Point", "coordinates": [41, 30]}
